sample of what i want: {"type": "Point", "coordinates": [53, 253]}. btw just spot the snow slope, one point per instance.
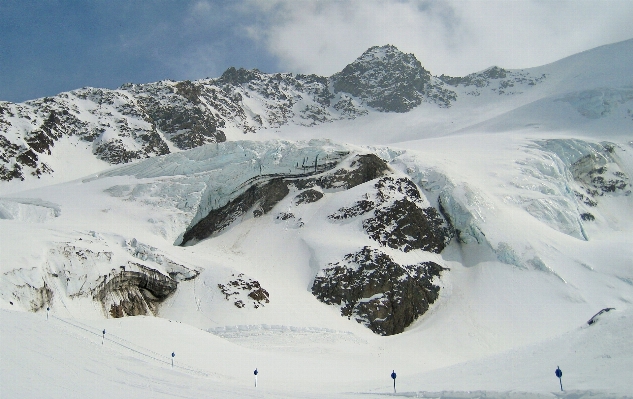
{"type": "Point", "coordinates": [544, 240]}
{"type": "Point", "coordinates": [587, 94]}
{"type": "Point", "coordinates": [134, 363]}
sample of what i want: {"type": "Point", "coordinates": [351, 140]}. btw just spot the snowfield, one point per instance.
{"type": "Point", "coordinates": [536, 188]}
{"type": "Point", "coordinates": [134, 363]}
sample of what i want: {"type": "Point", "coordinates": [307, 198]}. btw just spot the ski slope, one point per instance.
{"type": "Point", "coordinates": [134, 363]}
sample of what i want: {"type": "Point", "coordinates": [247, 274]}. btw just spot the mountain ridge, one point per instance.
{"type": "Point", "coordinates": [138, 121]}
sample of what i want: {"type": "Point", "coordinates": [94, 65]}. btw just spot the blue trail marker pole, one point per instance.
{"type": "Point", "coordinates": [103, 337]}
{"type": "Point", "coordinates": [255, 372]}
{"type": "Point", "coordinates": [173, 354]}
{"type": "Point", "coordinates": [559, 374]}
{"type": "Point", "coordinates": [393, 375]}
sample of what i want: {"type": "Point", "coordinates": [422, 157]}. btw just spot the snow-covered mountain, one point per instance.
{"type": "Point", "coordinates": [138, 121]}
{"type": "Point", "coordinates": [376, 219]}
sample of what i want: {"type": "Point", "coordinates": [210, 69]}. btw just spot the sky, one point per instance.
{"type": "Point", "coordinates": [50, 46]}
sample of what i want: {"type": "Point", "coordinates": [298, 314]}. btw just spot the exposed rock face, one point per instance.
{"type": "Point", "coordinates": [364, 168]}
{"type": "Point", "coordinates": [37, 141]}
{"type": "Point", "coordinates": [399, 218]}
{"type": "Point", "coordinates": [126, 280]}
{"type": "Point", "coordinates": [405, 226]}
{"type": "Point", "coordinates": [308, 196]}
{"type": "Point", "coordinates": [369, 284]}
{"type": "Point", "coordinates": [262, 195]}
{"type": "Point", "coordinates": [242, 290]}
{"type": "Point", "coordinates": [134, 293]}
{"type": "Point", "coordinates": [378, 292]}
{"type": "Point", "coordinates": [497, 80]}
{"type": "Point", "coordinates": [599, 174]}
{"type": "Point", "coordinates": [182, 118]}
{"type": "Point", "coordinates": [388, 80]}
{"type": "Point", "coordinates": [140, 121]}
{"type": "Point", "coordinates": [479, 79]}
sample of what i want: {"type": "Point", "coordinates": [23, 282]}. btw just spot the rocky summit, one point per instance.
{"type": "Point", "coordinates": [388, 80]}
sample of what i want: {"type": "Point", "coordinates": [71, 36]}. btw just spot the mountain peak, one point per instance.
{"type": "Point", "coordinates": [380, 52]}
{"type": "Point", "coordinates": [239, 76]}
{"type": "Point", "coordinates": [389, 80]}
{"type": "Point", "coordinates": [387, 55]}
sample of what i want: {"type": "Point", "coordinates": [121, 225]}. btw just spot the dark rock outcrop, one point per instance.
{"type": "Point", "coordinates": [369, 285]}
{"type": "Point", "coordinates": [378, 292]}
{"type": "Point", "coordinates": [138, 121]}
{"type": "Point", "coordinates": [38, 141]}
{"type": "Point", "coordinates": [397, 217]}
{"type": "Point", "coordinates": [388, 80]}
{"type": "Point", "coordinates": [43, 139]}
{"type": "Point", "coordinates": [255, 293]}
{"type": "Point", "coordinates": [308, 196]}
{"type": "Point", "coordinates": [406, 226]}
{"type": "Point", "coordinates": [598, 175]}
{"type": "Point", "coordinates": [134, 293]}
{"type": "Point", "coordinates": [182, 119]}
{"type": "Point", "coordinates": [262, 195]}
{"type": "Point", "coordinates": [498, 80]}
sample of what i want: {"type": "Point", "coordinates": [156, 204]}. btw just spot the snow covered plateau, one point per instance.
{"type": "Point", "coordinates": [167, 239]}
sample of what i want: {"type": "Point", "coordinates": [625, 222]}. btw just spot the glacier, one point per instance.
{"type": "Point", "coordinates": [524, 177]}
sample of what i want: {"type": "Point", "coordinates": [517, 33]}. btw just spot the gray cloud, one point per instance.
{"type": "Point", "coordinates": [448, 36]}
{"type": "Point", "coordinates": [51, 46]}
